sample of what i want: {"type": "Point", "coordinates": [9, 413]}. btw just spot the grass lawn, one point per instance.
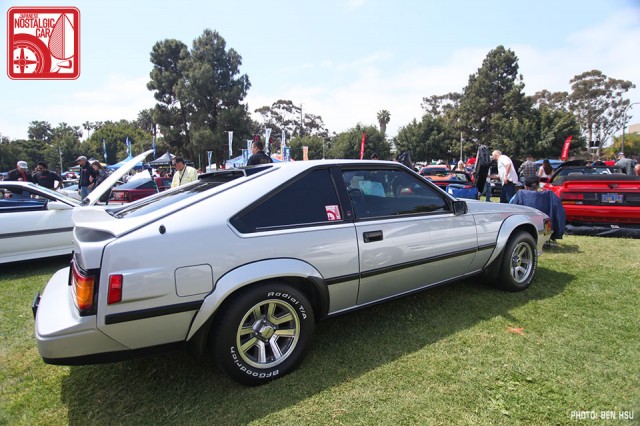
{"type": "Point", "coordinates": [459, 354]}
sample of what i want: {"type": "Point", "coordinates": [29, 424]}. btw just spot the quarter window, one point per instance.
{"type": "Point", "coordinates": [310, 200]}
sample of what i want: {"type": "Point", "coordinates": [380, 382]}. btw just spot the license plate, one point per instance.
{"type": "Point", "coordinates": [611, 198]}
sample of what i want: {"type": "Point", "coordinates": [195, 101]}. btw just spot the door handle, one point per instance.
{"type": "Point", "coordinates": [372, 236]}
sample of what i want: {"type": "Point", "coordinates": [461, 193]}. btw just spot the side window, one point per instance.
{"type": "Point", "coordinates": [379, 193]}
{"type": "Point", "coordinates": [309, 200]}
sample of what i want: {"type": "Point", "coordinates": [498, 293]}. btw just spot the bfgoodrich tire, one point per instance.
{"type": "Point", "coordinates": [519, 263]}
{"type": "Point", "coordinates": [262, 333]}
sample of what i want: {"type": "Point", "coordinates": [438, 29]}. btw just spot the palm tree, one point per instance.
{"type": "Point", "coordinates": [88, 127]}
{"type": "Point", "coordinates": [383, 119]}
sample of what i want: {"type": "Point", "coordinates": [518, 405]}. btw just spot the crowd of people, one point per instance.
{"type": "Point", "coordinates": [91, 174]}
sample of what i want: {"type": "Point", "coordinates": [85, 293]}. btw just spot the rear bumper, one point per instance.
{"type": "Point", "coordinates": [60, 332]}
{"type": "Point", "coordinates": [617, 215]}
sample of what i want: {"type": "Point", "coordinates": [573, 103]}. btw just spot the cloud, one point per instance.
{"type": "Point", "coordinates": [118, 97]}
{"type": "Point", "coordinates": [354, 4]}
{"type": "Point", "coordinates": [355, 91]}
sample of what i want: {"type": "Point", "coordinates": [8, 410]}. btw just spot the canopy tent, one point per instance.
{"type": "Point", "coordinates": [164, 160]}
{"type": "Point", "coordinates": [116, 166]}
{"type": "Point", "coordinates": [234, 163]}
{"type": "Point", "coordinates": [239, 161]}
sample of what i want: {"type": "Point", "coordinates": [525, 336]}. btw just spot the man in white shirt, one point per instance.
{"type": "Point", "coordinates": [508, 176]}
{"type": "Point", "coordinates": [184, 174]}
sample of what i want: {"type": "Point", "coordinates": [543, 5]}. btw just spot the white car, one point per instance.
{"type": "Point", "coordinates": [37, 221]}
{"type": "Point", "coordinates": [243, 262]}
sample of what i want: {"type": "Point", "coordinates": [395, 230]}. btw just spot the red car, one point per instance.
{"type": "Point", "coordinates": [139, 188]}
{"type": "Point", "coordinates": [598, 200]}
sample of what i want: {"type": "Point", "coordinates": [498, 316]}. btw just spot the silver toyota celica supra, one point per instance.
{"type": "Point", "coordinates": [243, 262]}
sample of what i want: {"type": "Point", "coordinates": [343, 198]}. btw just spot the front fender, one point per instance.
{"type": "Point", "coordinates": [506, 230]}
{"type": "Point", "coordinates": [254, 272]}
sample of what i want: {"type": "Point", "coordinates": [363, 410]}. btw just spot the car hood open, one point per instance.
{"type": "Point", "coordinates": [102, 189]}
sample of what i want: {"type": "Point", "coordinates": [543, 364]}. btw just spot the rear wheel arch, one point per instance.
{"type": "Point", "coordinates": [316, 293]}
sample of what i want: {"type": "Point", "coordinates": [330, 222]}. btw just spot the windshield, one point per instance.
{"type": "Point", "coordinates": [51, 194]}
{"type": "Point", "coordinates": [136, 184]}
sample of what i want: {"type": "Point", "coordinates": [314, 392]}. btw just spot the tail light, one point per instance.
{"type": "Point", "coordinates": [572, 198]}
{"type": "Point", "coordinates": [84, 290]}
{"type": "Point", "coordinates": [115, 289]}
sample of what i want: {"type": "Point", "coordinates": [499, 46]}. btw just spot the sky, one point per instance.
{"type": "Point", "coordinates": [343, 60]}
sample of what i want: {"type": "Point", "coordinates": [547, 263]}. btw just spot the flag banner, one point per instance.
{"type": "Point", "coordinates": [104, 149]}
{"type": "Point", "coordinates": [286, 154]}
{"type": "Point", "coordinates": [209, 154]}
{"type": "Point", "coordinates": [267, 136]}
{"type": "Point", "coordinates": [153, 146]}
{"type": "Point", "coordinates": [128, 146]}
{"type": "Point", "coordinates": [364, 141]}
{"type": "Point", "coordinates": [565, 149]}
{"type": "Point", "coordinates": [245, 155]}
{"type": "Point", "coordinates": [249, 142]}
{"type": "Point", "coordinates": [230, 143]}
{"type": "Point", "coordinates": [283, 142]}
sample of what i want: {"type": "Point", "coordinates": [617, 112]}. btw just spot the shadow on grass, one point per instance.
{"type": "Point", "coordinates": [49, 265]}
{"type": "Point", "coordinates": [174, 388]}
{"type": "Point", "coordinates": [562, 247]}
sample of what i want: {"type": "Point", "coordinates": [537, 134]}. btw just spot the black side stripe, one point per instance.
{"type": "Point", "coordinates": [152, 312]}
{"type": "Point", "coordinates": [32, 233]}
{"type": "Point", "coordinates": [400, 266]}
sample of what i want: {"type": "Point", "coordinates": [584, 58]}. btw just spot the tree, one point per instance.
{"type": "Point", "coordinates": [146, 122]}
{"type": "Point", "coordinates": [631, 144]}
{"type": "Point", "coordinates": [493, 109]}
{"type": "Point", "coordinates": [88, 126]}
{"type": "Point", "coordinates": [438, 105]}
{"type": "Point", "coordinates": [317, 147]}
{"type": "Point", "coordinates": [554, 124]}
{"type": "Point", "coordinates": [383, 119]}
{"type": "Point", "coordinates": [429, 139]}
{"type": "Point", "coordinates": [285, 115]}
{"type": "Point", "coordinates": [597, 101]}
{"type": "Point", "coordinates": [347, 144]}
{"type": "Point", "coordinates": [40, 131]}
{"type": "Point", "coordinates": [169, 60]}
{"type": "Point", "coordinates": [213, 84]}
{"type": "Point", "coordinates": [200, 94]}
{"type": "Point", "coordinates": [114, 135]}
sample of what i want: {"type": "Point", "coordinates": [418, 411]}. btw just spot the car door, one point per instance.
{"type": "Point", "coordinates": [33, 225]}
{"type": "Point", "coordinates": [408, 237]}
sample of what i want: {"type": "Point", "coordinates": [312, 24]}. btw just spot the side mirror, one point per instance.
{"type": "Point", "coordinates": [460, 207]}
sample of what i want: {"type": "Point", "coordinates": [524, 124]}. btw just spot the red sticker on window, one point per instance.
{"type": "Point", "coordinates": [43, 43]}
{"type": "Point", "coordinates": [333, 212]}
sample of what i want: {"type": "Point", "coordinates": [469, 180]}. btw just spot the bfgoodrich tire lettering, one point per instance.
{"type": "Point", "coordinates": [519, 262]}
{"type": "Point", "coordinates": [262, 333]}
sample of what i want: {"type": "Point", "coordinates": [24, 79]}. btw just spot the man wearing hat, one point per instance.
{"type": "Point", "coordinates": [21, 172]}
{"type": "Point", "coordinates": [87, 175]}
{"type": "Point", "coordinates": [626, 164]}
